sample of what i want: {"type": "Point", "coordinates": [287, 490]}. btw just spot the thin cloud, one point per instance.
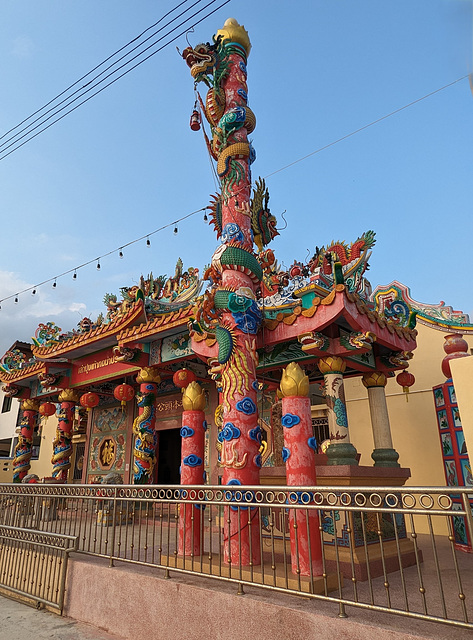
{"type": "Point", "coordinates": [22, 47]}
{"type": "Point", "coordinates": [19, 321]}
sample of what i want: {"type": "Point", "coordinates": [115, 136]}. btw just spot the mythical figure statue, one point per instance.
{"type": "Point", "coordinates": [145, 437]}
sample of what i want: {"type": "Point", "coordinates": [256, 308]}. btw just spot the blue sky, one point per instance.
{"type": "Point", "coordinates": [127, 162]}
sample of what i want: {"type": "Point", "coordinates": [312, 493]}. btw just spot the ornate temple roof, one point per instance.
{"type": "Point", "coordinates": [395, 301]}
{"type": "Point", "coordinates": [357, 313]}
{"type": "Point", "coordinates": [85, 342]}
{"type": "Point", "coordinates": [159, 324]}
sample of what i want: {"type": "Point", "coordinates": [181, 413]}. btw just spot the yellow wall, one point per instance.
{"type": "Point", "coordinates": [413, 424]}
{"type": "Point", "coordinates": [462, 376]}
{"type": "Point", "coordinates": [6, 469]}
{"type": "Point", "coordinates": [43, 467]}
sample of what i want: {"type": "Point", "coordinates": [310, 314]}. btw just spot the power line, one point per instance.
{"type": "Point", "coordinates": [370, 124]}
{"type": "Point", "coordinates": [147, 235]}
{"type": "Point", "coordinates": [81, 89]}
{"type": "Point", "coordinates": [104, 255]}
{"type": "Point", "coordinates": [92, 70]}
{"type": "Point", "coordinates": [175, 28]}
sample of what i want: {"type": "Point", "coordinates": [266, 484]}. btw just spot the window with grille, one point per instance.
{"type": "Point", "coordinates": [79, 460]}
{"type": "Point", "coordinates": [320, 429]}
{"type": "Point", "coordinates": [6, 406]}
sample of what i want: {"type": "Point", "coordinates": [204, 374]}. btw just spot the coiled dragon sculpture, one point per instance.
{"type": "Point", "coordinates": [145, 437]}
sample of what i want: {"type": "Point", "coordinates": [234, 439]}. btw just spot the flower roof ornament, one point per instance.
{"type": "Point", "coordinates": [13, 360]}
{"type": "Point", "coordinates": [46, 334]}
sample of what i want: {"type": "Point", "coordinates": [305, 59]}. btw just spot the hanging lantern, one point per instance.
{"type": "Point", "coordinates": [183, 377]}
{"type": "Point", "coordinates": [124, 393]}
{"type": "Point", "coordinates": [47, 409]}
{"type": "Point", "coordinates": [405, 380]}
{"type": "Point", "coordinates": [89, 400]}
{"type": "Point", "coordinates": [195, 119]}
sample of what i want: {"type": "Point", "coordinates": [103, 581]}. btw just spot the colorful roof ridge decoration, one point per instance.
{"type": "Point", "coordinates": [279, 287]}
{"type": "Point", "coordinates": [160, 295]}
{"type": "Point", "coordinates": [15, 375]}
{"type": "Point", "coordinates": [99, 332]}
{"type": "Point", "coordinates": [47, 334]}
{"type": "Point", "coordinates": [395, 302]}
{"type": "Point", "coordinates": [311, 304]}
{"type": "Point", "coordinates": [167, 321]}
{"type": "Point", "coordinates": [14, 359]}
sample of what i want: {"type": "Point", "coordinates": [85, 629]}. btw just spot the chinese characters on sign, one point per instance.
{"type": "Point", "coordinates": [172, 406]}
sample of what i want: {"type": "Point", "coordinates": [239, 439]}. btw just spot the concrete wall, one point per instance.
{"type": "Point", "coordinates": [136, 602]}
{"type": "Point", "coordinates": [8, 419]}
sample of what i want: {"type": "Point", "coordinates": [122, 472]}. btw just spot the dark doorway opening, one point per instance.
{"type": "Point", "coordinates": [169, 456]}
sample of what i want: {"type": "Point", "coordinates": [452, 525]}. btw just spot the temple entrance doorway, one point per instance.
{"type": "Point", "coordinates": [169, 456]}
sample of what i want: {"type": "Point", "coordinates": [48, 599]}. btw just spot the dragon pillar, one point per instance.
{"type": "Point", "coordinates": [24, 448]}
{"type": "Point", "coordinates": [192, 467]}
{"type": "Point", "coordinates": [230, 312]}
{"type": "Point", "coordinates": [62, 445]}
{"type": "Point", "coordinates": [144, 452]}
{"type": "Point", "coordinates": [298, 454]}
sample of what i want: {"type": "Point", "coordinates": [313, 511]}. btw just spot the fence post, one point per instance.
{"type": "Point", "coordinates": [114, 525]}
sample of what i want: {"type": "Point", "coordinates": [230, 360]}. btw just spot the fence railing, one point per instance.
{"type": "Point", "coordinates": [384, 549]}
{"type": "Point", "coordinates": [33, 564]}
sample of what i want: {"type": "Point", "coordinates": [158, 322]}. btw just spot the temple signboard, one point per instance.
{"type": "Point", "coordinates": [103, 365]}
{"type": "Point", "coordinates": [169, 406]}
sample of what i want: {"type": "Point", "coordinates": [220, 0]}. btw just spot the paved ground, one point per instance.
{"type": "Point", "coordinates": [19, 621]}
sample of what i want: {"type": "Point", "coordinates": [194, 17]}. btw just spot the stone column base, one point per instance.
{"type": "Point", "coordinates": [341, 453]}
{"type": "Point", "coordinates": [385, 458]}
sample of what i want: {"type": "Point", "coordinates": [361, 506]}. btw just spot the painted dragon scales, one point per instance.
{"type": "Point", "coordinates": [342, 252]}
{"type": "Point", "coordinates": [145, 438]}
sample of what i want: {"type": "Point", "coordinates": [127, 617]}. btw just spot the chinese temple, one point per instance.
{"type": "Point", "coordinates": [220, 376]}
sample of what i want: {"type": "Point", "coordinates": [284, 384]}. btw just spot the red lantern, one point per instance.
{"type": "Point", "coordinates": [89, 400]}
{"type": "Point", "coordinates": [124, 393]}
{"type": "Point", "coordinates": [47, 409]}
{"type": "Point", "coordinates": [183, 377]}
{"type": "Point", "coordinates": [406, 380]}
{"type": "Point", "coordinates": [195, 120]}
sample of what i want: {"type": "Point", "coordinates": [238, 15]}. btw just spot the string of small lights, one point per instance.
{"type": "Point", "coordinates": [174, 224]}
{"type": "Point", "coordinates": [97, 260]}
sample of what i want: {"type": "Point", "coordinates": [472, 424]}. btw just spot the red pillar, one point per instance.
{"type": "Point", "coordinates": [234, 317]}
{"type": "Point", "coordinates": [62, 443]}
{"type": "Point", "coordinates": [192, 467]}
{"type": "Point", "coordinates": [24, 448]}
{"type": "Point", "coordinates": [299, 456]}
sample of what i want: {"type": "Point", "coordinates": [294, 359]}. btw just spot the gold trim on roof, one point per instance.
{"type": "Point", "coordinates": [99, 333]}
{"type": "Point", "coordinates": [404, 333]}
{"type": "Point", "coordinates": [22, 374]}
{"type": "Point", "coordinates": [164, 321]}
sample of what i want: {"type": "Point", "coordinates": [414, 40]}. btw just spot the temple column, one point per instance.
{"type": "Point", "coordinates": [62, 446]}
{"type": "Point", "coordinates": [144, 451]}
{"type": "Point", "coordinates": [383, 454]}
{"type": "Point", "coordinates": [231, 306]}
{"type": "Point", "coordinates": [24, 448]}
{"type": "Point", "coordinates": [192, 467]}
{"type": "Point", "coordinates": [341, 450]}
{"type": "Point", "coordinates": [299, 456]}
